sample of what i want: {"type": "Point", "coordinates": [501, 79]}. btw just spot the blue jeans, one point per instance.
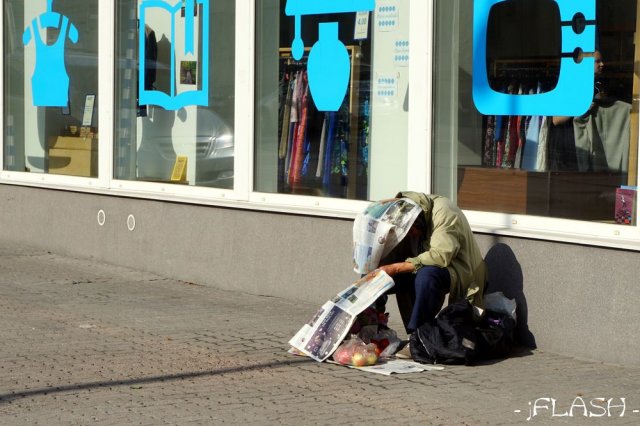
{"type": "Point", "coordinates": [420, 296]}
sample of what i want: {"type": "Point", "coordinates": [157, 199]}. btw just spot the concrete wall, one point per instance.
{"type": "Point", "coordinates": [575, 300]}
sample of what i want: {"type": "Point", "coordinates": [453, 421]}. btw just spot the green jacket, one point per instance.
{"type": "Point", "coordinates": [450, 244]}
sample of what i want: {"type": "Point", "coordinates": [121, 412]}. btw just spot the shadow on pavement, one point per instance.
{"type": "Point", "coordinates": [146, 380]}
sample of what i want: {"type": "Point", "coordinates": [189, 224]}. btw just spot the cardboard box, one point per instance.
{"type": "Point", "coordinates": [74, 156]}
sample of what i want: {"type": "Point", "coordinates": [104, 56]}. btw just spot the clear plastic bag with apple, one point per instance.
{"type": "Point", "coordinates": [386, 340]}
{"type": "Point", "coordinates": [355, 352]}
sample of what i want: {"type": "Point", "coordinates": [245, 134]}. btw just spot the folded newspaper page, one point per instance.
{"type": "Point", "coordinates": [321, 336]}
{"type": "Point", "coordinates": [398, 366]}
{"type": "Point", "coordinates": [378, 229]}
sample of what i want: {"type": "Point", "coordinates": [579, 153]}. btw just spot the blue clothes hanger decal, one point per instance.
{"type": "Point", "coordinates": [572, 95]}
{"type": "Point", "coordinates": [50, 81]}
{"type": "Point", "coordinates": [172, 101]}
{"type": "Point", "coordinates": [328, 65]}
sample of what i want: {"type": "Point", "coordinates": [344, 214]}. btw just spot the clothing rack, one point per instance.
{"type": "Point", "coordinates": [541, 66]}
{"type": "Point", "coordinates": [353, 108]}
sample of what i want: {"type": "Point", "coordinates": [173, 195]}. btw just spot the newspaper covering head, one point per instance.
{"type": "Point", "coordinates": [379, 229]}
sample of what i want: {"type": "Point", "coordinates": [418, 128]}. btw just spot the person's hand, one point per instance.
{"type": "Point", "coordinates": [397, 268]}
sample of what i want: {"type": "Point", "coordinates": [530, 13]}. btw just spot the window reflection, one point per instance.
{"type": "Point", "coordinates": [558, 166]}
{"type": "Point", "coordinates": [175, 118]}
{"type": "Point", "coordinates": [50, 86]}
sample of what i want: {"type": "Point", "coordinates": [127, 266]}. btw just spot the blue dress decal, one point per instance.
{"type": "Point", "coordinates": [50, 81]}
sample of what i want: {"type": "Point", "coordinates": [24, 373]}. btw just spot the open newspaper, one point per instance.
{"type": "Point", "coordinates": [321, 336]}
{"type": "Point", "coordinates": [379, 228]}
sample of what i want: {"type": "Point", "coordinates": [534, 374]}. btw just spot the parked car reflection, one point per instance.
{"type": "Point", "coordinates": [207, 141]}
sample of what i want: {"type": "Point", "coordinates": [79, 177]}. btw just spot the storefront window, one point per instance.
{"type": "Point", "coordinates": [331, 98]}
{"type": "Point", "coordinates": [533, 107]}
{"type": "Point", "coordinates": [174, 117]}
{"type": "Point", "coordinates": [50, 86]}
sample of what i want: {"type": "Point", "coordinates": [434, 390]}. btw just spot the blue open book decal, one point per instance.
{"type": "Point", "coordinates": [50, 81]}
{"type": "Point", "coordinates": [572, 95]}
{"type": "Point", "coordinates": [172, 101]}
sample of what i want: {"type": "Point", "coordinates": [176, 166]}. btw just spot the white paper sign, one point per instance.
{"type": "Point", "coordinates": [362, 26]}
{"type": "Point", "coordinates": [87, 117]}
{"type": "Point", "coordinates": [386, 85]}
{"type": "Point", "coordinates": [387, 16]}
{"type": "Point", "coordinates": [401, 53]}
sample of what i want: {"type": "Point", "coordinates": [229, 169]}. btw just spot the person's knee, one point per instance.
{"type": "Point", "coordinates": [433, 278]}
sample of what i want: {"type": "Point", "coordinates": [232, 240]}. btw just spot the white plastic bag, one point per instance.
{"type": "Point", "coordinates": [498, 302]}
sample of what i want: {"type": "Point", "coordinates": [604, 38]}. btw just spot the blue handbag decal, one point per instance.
{"type": "Point", "coordinates": [573, 93]}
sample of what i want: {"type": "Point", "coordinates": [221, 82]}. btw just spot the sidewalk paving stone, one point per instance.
{"type": "Point", "coordinates": [89, 343]}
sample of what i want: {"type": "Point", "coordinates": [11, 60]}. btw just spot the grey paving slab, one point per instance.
{"type": "Point", "coordinates": [84, 342]}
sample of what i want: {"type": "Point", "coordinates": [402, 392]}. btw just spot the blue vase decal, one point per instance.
{"type": "Point", "coordinates": [328, 69]}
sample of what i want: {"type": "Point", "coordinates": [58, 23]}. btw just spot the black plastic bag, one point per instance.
{"type": "Point", "coordinates": [456, 336]}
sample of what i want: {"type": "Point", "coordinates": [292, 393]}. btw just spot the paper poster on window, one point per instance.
{"type": "Point", "coordinates": [401, 53]}
{"type": "Point", "coordinates": [186, 26]}
{"type": "Point", "coordinates": [386, 85]}
{"type": "Point", "coordinates": [50, 81]}
{"type": "Point", "coordinates": [188, 72]}
{"type": "Point", "coordinates": [87, 116]}
{"type": "Point", "coordinates": [387, 16]}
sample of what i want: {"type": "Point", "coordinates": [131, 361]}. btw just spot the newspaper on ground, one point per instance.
{"type": "Point", "coordinates": [321, 336]}
{"type": "Point", "coordinates": [390, 366]}
{"type": "Point", "coordinates": [379, 228]}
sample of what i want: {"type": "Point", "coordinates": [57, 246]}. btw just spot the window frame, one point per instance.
{"type": "Point", "coordinates": [243, 195]}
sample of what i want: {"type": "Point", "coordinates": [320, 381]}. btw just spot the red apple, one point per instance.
{"type": "Point", "coordinates": [342, 356]}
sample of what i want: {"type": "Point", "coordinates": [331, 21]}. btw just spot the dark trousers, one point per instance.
{"type": "Point", "coordinates": [420, 296]}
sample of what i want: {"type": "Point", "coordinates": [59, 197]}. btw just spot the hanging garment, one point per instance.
{"type": "Point", "coordinates": [323, 137]}
{"type": "Point", "coordinates": [602, 138]}
{"type": "Point", "coordinates": [517, 162]}
{"type": "Point", "coordinates": [561, 152]}
{"type": "Point", "coordinates": [150, 57]}
{"type": "Point", "coordinates": [293, 124]}
{"type": "Point", "coordinates": [530, 150]}
{"type": "Point", "coordinates": [286, 119]}
{"type": "Point", "coordinates": [543, 141]}
{"type": "Point", "coordinates": [511, 142]}
{"type": "Point", "coordinates": [363, 140]}
{"type": "Point", "coordinates": [306, 156]}
{"type": "Point", "coordinates": [515, 139]}
{"type": "Point", "coordinates": [497, 138]}
{"type": "Point", "coordinates": [326, 174]}
{"type": "Point", "coordinates": [298, 147]}
{"type": "Point", "coordinates": [340, 156]}
{"type": "Point", "coordinates": [509, 136]}
{"type": "Point", "coordinates": [295, 98]}
{"type": "Point", "coordinates": [487, 149]}
{"type": "Point", "coordinates": [287, 160]}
